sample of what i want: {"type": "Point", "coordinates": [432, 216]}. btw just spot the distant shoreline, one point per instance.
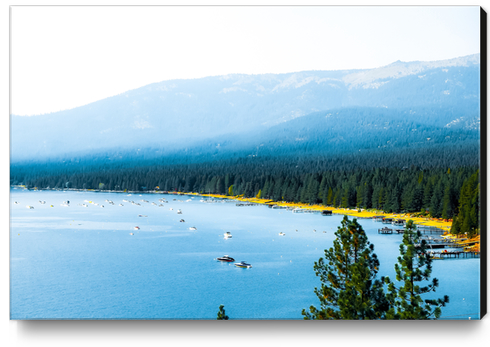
{"type": "Point", "coordinates": [441, 224]}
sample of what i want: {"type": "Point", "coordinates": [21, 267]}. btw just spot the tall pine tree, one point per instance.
{"type": "Point", "coordinates": [349, 289]}
{"type": "Point", "coordinates": [414, 267]}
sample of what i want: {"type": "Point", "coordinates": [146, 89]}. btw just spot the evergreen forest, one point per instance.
{"type": "Point", "coordinates": [432, 183]}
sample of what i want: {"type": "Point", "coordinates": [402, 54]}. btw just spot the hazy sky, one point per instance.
{"type": "Point", "coordinates": [64, 57]}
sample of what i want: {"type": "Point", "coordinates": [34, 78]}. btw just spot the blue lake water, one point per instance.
{"type": "Point", "coordinates": [81, 262]}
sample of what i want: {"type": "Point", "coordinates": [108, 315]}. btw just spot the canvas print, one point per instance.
{"type": "Point", "coordinates": [246, 163]}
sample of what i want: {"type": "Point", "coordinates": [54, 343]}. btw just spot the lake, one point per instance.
{"type": "Point", "coordinates": [81, 262]}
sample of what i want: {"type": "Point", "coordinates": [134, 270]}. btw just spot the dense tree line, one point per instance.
{"type": "Point", "coordinates": [440, 192]}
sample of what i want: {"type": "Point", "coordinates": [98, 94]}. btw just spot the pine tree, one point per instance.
{"type": "Point", "coordinates": [468, 219]}
{"type": "Point", "coordinates": [414, 266]}
{"type": "Point", "coordinates": [349, 289]}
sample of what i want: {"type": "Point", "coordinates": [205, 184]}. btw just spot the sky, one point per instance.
{"type": "Point", "coordinates": [64, 57]}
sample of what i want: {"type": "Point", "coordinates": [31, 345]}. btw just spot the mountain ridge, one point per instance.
{"type": "Point", "coordinates": [168, 113]}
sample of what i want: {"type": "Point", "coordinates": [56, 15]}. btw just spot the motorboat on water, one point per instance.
{"type": "Point", "coordinates": [226, 258]}
{"type": "Point", "coordinates": [179, 212]}
{"type": "Point", "coordinates": [243, 264]}
{"type": "Point", "coordinates": [228, 235]}
{"type": "Point", "coordinates": [136, 228]}
{"type": "Point", "coordinates": [192, 228]}
{"type": "Point", "coordinates": [282, 234]}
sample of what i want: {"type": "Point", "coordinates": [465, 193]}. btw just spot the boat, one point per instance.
{"type": "Point", "coordinates": [226, 258]}
{"type": "Point", "coordinates": [179, 212]}
{"type": "Point", "coordinates": [228, 235]}
{"type": "Point", "coordinates": [136, 228]}
{"type": "Point", "coordinates": [282, 234]}
{"type": "Point", "coordinates": [243, 264]}
{"type": "Point", "coordinates": [182, 221]}
{"type": "Point", "coordinates": [192, 228]}
{"type": "Point", "coordinates": [131, 234]}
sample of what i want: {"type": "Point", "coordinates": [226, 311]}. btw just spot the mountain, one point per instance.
{"type": "Point", "coordinates": [268, 111]}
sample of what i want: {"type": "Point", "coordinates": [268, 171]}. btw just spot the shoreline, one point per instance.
{"type": "Point", "coordinates": [441, 224]}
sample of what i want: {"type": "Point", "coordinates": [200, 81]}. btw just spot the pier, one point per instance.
{"type": "Point", "coordinates": [453, 254]}
{"type": "Point", "coordinates": [429, 230]}
{"type": "Point", "coordinates": [385, 231]}
{"type": "Point", "coordinates": [304, 210]}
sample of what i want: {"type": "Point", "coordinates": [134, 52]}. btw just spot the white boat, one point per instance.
{"type": "Point", "coordinates": [228, 235]}
{"type": "Point", "coordinates": [30, 207]}
{"type": "Point", "coordinates": [131, 234]}
{"type": "Point", "coordinates": [243, 264]}
{"type": "Point", "coordinates": [192, 228]}
{"type": "Point", "coordinates": [179, 212]}
{"type": "Point", "coordinates": [282, 234]}
{"type": "Point", "coordinates": [136, 228]}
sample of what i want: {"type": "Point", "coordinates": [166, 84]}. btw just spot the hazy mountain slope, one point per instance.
{"type": "Point", "coordinates": [175, 114]}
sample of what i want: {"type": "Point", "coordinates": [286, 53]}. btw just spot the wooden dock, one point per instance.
{"type": "Point", "coordinates": [304, 210]}
{"type": "Point", "coordinates": [453, 254]}
{"type": "Point", "coordinates": [385, 231]}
